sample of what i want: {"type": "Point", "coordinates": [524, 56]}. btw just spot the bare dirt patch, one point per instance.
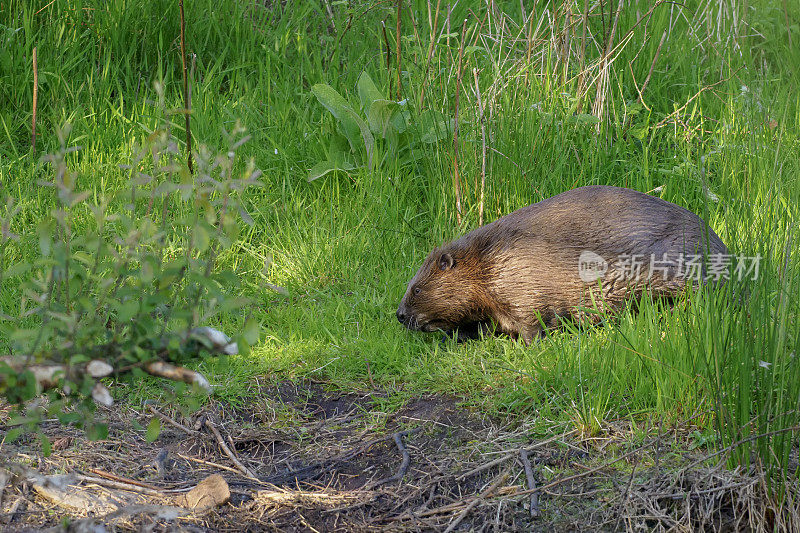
{"type": "Point", "coordinates": [306, 457]}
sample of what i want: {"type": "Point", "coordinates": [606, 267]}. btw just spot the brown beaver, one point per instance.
{"type": "Point", "coordinates": [588, 248]}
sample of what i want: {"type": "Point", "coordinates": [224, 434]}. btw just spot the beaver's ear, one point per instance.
{"type": "Point", "coordinates": [446, 262]}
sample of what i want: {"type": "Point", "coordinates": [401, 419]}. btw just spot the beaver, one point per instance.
{"type": "Point", "coordinates": [569, 257]}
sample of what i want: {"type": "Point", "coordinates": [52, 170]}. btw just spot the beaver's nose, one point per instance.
{"type": "Point", "coordinates": [401, 316]}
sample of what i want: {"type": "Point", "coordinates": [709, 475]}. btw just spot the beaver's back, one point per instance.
{"type": "Point", "coordinates": [609, 219]}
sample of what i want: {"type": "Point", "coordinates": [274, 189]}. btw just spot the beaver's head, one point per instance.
{"type": "Point", "coordinates": [447, 292]}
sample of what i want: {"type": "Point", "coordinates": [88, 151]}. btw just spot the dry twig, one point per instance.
{"type": "Point", "coordinates": [404, 464]}
{"type": "Point", "coordinates": [456, 177]}
{"type": "Point", "coordinates": [488, 492]}
{"type": "Point", "coordinates": [523, 455]}
{"type": "Point", "coordinates": [35, 101]}
{"type": "Point", "coordinates": [243, 469]}
{"type": "Point", "coordinates": [187, 104]}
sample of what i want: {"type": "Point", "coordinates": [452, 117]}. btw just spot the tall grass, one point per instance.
{"type": "Point", "coordinates": [696, 103]}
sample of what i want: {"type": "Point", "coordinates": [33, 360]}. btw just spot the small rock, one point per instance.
{"type": "Point", "coordinates": [99, 369]}
{"type": "Point", "coordinates": [209, 493]}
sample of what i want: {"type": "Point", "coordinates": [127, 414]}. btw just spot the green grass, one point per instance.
{"type": "Point", "coordinates": [345, 245]}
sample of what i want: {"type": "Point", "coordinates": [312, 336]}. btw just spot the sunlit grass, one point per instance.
{"type": "Point", "coordinates": [345, 245]}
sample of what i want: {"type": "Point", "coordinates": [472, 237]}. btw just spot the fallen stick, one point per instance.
{"type": "Point", "coordinates": [320, 467]}
{"type": "Point", "coordinates": [118, 485]}
{"type": "Point", "coordinates": [114, 477]}
{"type": "Point", "coordinates": [207, 463]}
{"type": "Point", "coordinates": [170, 421]}
{"type": "Point", "coordinates": [489, 490]}
{"type": "Point", "coordinates": [523, 455]}
{"type": "Point", "coordinates": [243, 469]}
{"type": "Point", "coordinates": [177, 373]}
{"type": "Point", "coordinates": [398, 440]}
{"type": "Point", "coordinates": [508, 456]}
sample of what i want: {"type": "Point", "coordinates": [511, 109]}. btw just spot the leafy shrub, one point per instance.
{"type": "Point", "coordinates": [120, 284]}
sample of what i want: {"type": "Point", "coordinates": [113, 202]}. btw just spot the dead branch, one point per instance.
{"type": "Point", "coordinates": [652, 65]}
{"type": "Point", "coordinates": [523, 455]}
{"type": "Point", "coordinates": [170, 421]}
{"type": "Point", "coordinates": [398, 440]}
{"type": "Point", "coordinates": [207, 463]}
{"type": "Point", "coordinates": [429, 54]}
{"type": "Point", "coordinates": [399, 82]}
{"type": "Point", "coordinates": [508, 456]}
{"type": "Point", "coordinates": [126, 485]}
{"type": "Point", "coordinates": [213, 428]}
{"type": "Point", "coordinates": [177, 373]}
{"type": "Point", "coordinates": [114, 477]}
{"type": "Point", "coordinates": [488, 492]}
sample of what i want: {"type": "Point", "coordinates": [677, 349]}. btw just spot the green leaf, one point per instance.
{"type": "Point", "coordinates": [324, 167]}
{"type": "Point", "coordinates": [244, 347]}
{"type": "Point", "coordinates": [127, 310]}
{"type": "Point", "coordinates": [640, 132]}
{"type": "Point", "coordinates": [252, 330]}
{"type": "Point", "coordinates": [148, 270]}
{"type": "Point", "coordinates": [434, 126]}
{"type": "Point", "coordinates": [97, 432]}
{"type": "Point", "coordinates": [201, 238]}
{"type": "Point", "coordinates": [368, 92]}
{"type": "Point", "coordinates": [353, 126]}
{"type": "Point", "coordinates": [382, 117]}
{"type": "Point", "coordinates": [16, 269]}
{"type": "Point", "coordinates": [47, 447]}
{"type": "Point", "coordinates": [45, 231]}
{"type": "Point", "coordinates": [153, 429]}
{"type": "Point", "coordinates": [14, 434]}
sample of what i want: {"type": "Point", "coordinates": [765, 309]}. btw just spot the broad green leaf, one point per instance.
{"type": "Point", "coordinates": [323, 167]}
{"type": "Point", "coordinates": [368, 92]}
{"type": "Point", "coordinates": [381, 116]}
{"type": "Point", "coordinates": [97, 432]}
{"type": "Point", "coordinates": [244, 348]}
{"type": "Point", "coordinates": [47, 447]}
{"type": "Point", "coordinates": [153, 429]}
{"type": "Point", "coordinates": [353, 126]}
{"type": "Point", "coordinates": [127, 310]}
{"type": "Point", "coordinates": [16, 270]}
{"type": "Point", "coordinates": [252, 330]}
{"type": "Point", "coordinates": [434, 126]}
{"type": "Point", "coordinates": [45, 231]}
{"type": "Point", "coordinates": [201, 238]}
{"type": "Point", "coordinates": [14, 433]}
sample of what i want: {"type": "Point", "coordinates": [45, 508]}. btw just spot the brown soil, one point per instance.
{"type": "Point", "coordinates": [325, 460]}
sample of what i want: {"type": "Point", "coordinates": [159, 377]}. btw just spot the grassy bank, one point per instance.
{"type": "Point", "coordinates": [696, 104]}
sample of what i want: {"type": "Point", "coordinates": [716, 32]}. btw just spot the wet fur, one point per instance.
{"type": "Point", "coordinates": [520, 272]}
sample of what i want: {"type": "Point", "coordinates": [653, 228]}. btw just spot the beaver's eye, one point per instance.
{"type": "Point", "coordinates": [416, 290]}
